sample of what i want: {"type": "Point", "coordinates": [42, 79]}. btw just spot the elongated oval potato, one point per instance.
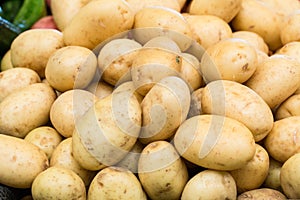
{"type": "Point", "coordinates": [63, 11]}
{"type": "Point", "coordinates": [62, 156]}
{"type": "Point", "coordinates": [26, 109]}
{"type": "Point", "coordinates": [239, 102]}
{"type": "Point", "coordinates": [281, 143]}
{"type": "Point", "coordinates": [16, 78]}
{"type": "Point", "coordinates": [20, 162]}
{"type": "Point", "coordinates": [108, 130]}
{"type": "Point", "coordinates": [289, 108]}
{"type": "Point", "coordinates": [97, 21]}
{"type": "Point", "coordinates": [253, 174]}
{"type": "Point", "coordinates": [262, 194]}
{"type": "Point", "coordinates": [164, 108]}
{"type": "Point", "coordinates": [46, 42]}
{"type": "Point", "coordinates": [115, 183]}
{"type": "Point", "coordinates": [58, 183]}
{"type": "Point", "coordinates": [226, 10]}
{"type": "Point", "coordinates": [215, 142]}
{"type": "Point", "coordinates": [161, 171]}
{"type": "Point", "coordinates": [210, 184]}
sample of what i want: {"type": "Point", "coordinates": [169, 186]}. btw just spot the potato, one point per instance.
{"type": "Point", "coordinates": [253, 38]}
{"type": "Point", "coordinates": [64, 11]}
{"type": "Point", "coordinates": [6, 62]}
{"type": "Point", "coordinates": [108, 130]}
{"type": "Point", "coordinates": [62, 156]}
{"type": "Point", "coordinates": [273, 178]}
{"type": "Point", "coordinates": [115, 183]}
{"type": "Point", "coordinates": [226, 10]}
{"type": "Point", "coordinates": [195, 105]}
{"type": "Point", "coordinates": [268, 28]}
{"type": "Point", "coordinates": [157, 21]}
{"type": "Point", "coordinates": [137, 5]}
{"type": "Point", "coordinates": [289, 107]}
{"type": "Point", "coordinates": [289, 177]}
{"type": "Point", "coordinates": [291, 49]}
{"type": "Point", "coordinates": [252, 175]}
{"type": "Point", "coordinates": [161, 171]}
{"type": "Point", "coordinates": [163, 42]}
{"type": "Point", "coordinates": [290, 30]}
{"type": "Point", "coordinates": [210, 184]}
{"type": "Point", "coordinates": [20, 162]}
{"type": "Point", "coordinates": [231, 59]}
{"type": "Point", "coordinates": [115, 60]}
{"type": "Point", "coordinates": [164, 108]}
{"type": "Point", "coordinates": [68, 108]}
{"type": "Point", "coordinates": [215, 142]}
{"type": "Point", "coordinates": [262, 194]}
{"type": "Point", "coordinates": [276, 88]}
{"type": "Point", "coordinates": [97, 21]}
{"type": "Point", "coordinates": [46, 42]}
{"type": "Point", "coordinates": [71, 67]}
{"type": "Point", "coordinates": [26, 109]}
{"type": "Point", "coordinates": [281, 143]}
{"type": "Point", "coordinates": [44, 137]}
{"type": "Point", "coordinates": [100, 89]}
{"type": "Point", "coordinates": [58, 183]}
{"type": "Point", "coordinates": [208, 29]}
{"type": "Point", "coordinates": [16, 78]}
{"type": "Point", "coordinates": [239, 102]}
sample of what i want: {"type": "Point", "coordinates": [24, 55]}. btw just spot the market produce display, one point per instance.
{"type": "Point", "coordinates": [149, 99]}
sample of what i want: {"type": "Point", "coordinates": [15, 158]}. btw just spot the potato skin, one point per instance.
{"type": "Point", "coordinates": [215, 142]}
{"type": "Point", "coordinates": [262, 194]}
{"type": "Point", "coordinates": [290, 107]}
{"type": "Point", "coordinates": [20, 162]}
{"type": "Point", "coordinates": [26, 109]}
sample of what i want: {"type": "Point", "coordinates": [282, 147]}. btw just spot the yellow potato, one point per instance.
{"type": "Point", "coordinates": [16, 78]}
{"type": "Point", "coordinates": [273, 178]}
{"type": "Point", "coordinates": [215, 142]}
{"type": "Point", "coordinates": [291, 49]}
{"type": "Point", "coordinates": [289, 107]}
{"type": "Point", "coordinates": [26, 109]}
{"type": "Point", "coordinates": [62, 156]}
{"type": "Point", "coordinates": [210, 184]}
{"type": "Point", "coordinates": [231, 59]}
{"type": "Point", "coordinates": [63, 11]}
{"type": "Point", "coordinates": [68, 107]}
{"type": "Point", "coordinates": [275, 88]}
{"type": "Point", "coordinates": [58, 183]}
{"type": "Point", "coordinates": [20, 162]}
{"type": "Point", "coordinates": [195, 106]}
{"type": "Point", "coordinates": [6, 62]}
{"type": "Point", "coordinates": [281, 143]}
{"type": "Point", "coordinates": [290, 30]}
{"type": "Point", "coordinates": [71, 67]}
{"type": "Point", "coordinates": [100, 89]}
{"type": "Point", "coordinates": [262, 194]}
{"type": "Point", "coordinates": [115, 183]}
{"type": "Point", "coordinates": [253, 174]}
{"type": "Point", "coordinates": [161, 171]}
{"type": "Point", "coordinates": [32, 48]}
{"type": "Point", "coordinates": [44, 137]}
{"type": "Point", "coordinates": [208, 29]}
{"type": "Point", "coordinates": [239, 102]}
{"type": "Point", "coordinates": [163, 42]}
{"type": "Point", "coordinates": [97, 21]}
{"type": "Point", "coordinates": [290, 177]}
{"type": "Point", "coordinates": [137, 5]}
{"type": "Point", "coordinates": [164, 108]}
{"type": "Point", "coordinates": [108, 130]}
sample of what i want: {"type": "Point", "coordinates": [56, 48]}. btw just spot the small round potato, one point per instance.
{"type": "Point", "coordinates": [6, 62]}
{"type": "Point", "coordinates": [44, 137]}
{"type": "Point", "coordinates": [210, 184]}
{"type": "Point", "coordinates": [281, 143]}
{"type": "Point", "coordinates": [16, 78]}
{"type": "Point", "coordinates": [32, 48]}
{"type": "Point", "coordinates": [58, 183]}
{"type": "Point", "coordinates": [225, 9]}
{"type": "Point", "coordinates": [161, 171]}
{"type": "Point", "coordinates": [26, 109]}
{"type": "Point", "coordinates": [69, 107]}
{"type": "Point", "coordinates": [71, 67]}
{"type": "Point", "coordinates": [262, 194]}
{"type": "Point", "coordinates": [273, 178]}
{"type": "Point", "coordinates": [290, 177]}
{"type": "Point", "coordinates": [289, 108]}
{"type": "Point", "coordinates": [231, 59]}
{"type": "Point", "coordinates": [115, 183]}
{"type": "Point", "coordinates": [62, 156]}
{"type": "Point", "coordinates": [208, 29]}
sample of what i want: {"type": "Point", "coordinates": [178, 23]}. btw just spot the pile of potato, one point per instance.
{"type": "Point", "coordinates": [173, 99]}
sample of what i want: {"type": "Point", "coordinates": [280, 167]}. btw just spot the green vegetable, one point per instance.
{"type": "Point", "coordinates": [29, 13]}
{"type": "Point", "coordinates": [10, 8]}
